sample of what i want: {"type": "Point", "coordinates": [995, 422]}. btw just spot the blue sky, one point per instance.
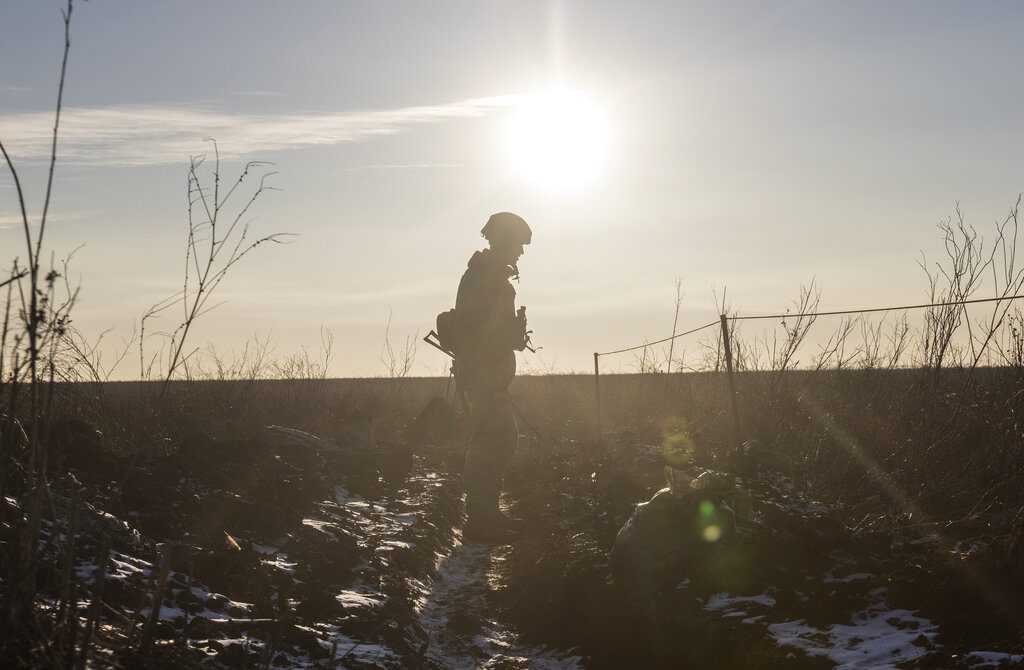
{"type": "Point", "coordinates": [750, 145]}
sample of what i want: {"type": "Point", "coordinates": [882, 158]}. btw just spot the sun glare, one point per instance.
{"type": "Point", "coordinates": [558, 139]}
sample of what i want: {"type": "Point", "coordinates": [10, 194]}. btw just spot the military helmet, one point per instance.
{"type": "Point", "coordinates": [507, 227]}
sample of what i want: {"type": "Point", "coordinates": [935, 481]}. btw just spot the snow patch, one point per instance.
{"type": "Point", "coordinates": [855, 577]}
{"type": "Point", "coordinates": [721, 601]}
{"type": "Point", "coordinates": [281, 562]}
{"type": "Point", "coordinates": [992, 659]}
{"type": "Point", "coordinates": [322, 526]}
{"type": "Point", "coordinates": [463, 581]}
{"type": "Point", "coordinates": [265, 549]}
{"type": "Point", "coordinates": [361, 597]}
{"type": "Point", "coordinates": [878, 638]}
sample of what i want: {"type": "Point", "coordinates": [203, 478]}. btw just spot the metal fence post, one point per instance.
{"type": "Point", "coordinates": [732, 383]}
{"type": "Point", "coordinates": [597, 400]}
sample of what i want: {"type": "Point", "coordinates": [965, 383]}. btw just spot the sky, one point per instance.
{"type": "Point", "coordinates": [745, 146]}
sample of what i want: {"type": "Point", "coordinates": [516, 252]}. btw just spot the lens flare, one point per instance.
{"type": "Point", "coordinates": [707, 510]}
{"type": "Point", "coordinates": [712, 533]}
{"type": "Point", "coordinates": [709, 518]}
{"type": "Point", "coordinates": [676, 442]}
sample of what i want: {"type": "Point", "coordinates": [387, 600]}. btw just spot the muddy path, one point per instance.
{"type": "Point", "coordinates": [286, 554]}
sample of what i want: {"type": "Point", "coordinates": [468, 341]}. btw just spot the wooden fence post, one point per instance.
{"type": "Point", "coordinates": [732, 384]}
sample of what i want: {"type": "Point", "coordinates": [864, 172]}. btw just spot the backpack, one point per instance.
{"type": "Point", "coordinates": [449, 331]}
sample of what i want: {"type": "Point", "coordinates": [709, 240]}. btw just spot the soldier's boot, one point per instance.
{"type": "Point", "coordinates": [485, 523]}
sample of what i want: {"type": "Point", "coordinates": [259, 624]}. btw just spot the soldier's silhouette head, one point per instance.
{"type": "Point", "coordinates": [507, 234]}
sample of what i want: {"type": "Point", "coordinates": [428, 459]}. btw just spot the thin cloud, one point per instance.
{"type": "Point", "coordinates": [261, 94]}
{"type": "Point", "coordinates": [14, 220]}
{"type": "Point", "coordinates": [405, 166]}
{"type": "Point", "coordinates": [155, 135]}
{"type": "Point", "coordinates": [306, 296]}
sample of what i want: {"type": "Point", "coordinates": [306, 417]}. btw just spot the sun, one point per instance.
{"type": "Point", "coordinates": [558, 139]}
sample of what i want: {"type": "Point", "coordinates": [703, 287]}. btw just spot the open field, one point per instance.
{"type": "Point", "coordinates": [818, 485]}
{"type": "Point", "coordinates": [884, 530]}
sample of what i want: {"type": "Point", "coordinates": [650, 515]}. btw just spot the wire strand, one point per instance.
{"type": "Point", "coordinates": [831, 313]}
{"type": "Point", "coordinates": [876, 309]}
{"type": "Point", "coordinates": [651, 344]}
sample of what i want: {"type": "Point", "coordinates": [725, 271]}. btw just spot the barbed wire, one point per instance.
{"type": "Point", "coordinates": [807, 314]}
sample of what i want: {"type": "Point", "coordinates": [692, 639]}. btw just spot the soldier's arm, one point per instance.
{"type": "Point", "coordinates": [507, 327]}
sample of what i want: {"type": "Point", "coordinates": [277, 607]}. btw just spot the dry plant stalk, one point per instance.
{"type": "Point", "coordinates": [834, 350]}
{"type": "Point", "coordinates": [96, 608]}
{"type": "Point", "coordinates": [675, 324]}
{"type": "Point", "coordinates": [40, 322]}
{"type": "Point", "coordinates": [951, 284]}
{"type": "Point", "coordinates": [783, 355]}
{"type": "Point", "coordinates": [157, 601]}
{"type": "Point", "coordinates": [398, 364]}
{"type": "Point", "coordinates": [216, 242]}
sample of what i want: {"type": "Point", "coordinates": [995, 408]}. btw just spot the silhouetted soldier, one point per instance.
{"type": "Point", "coordinates": [490, 332]}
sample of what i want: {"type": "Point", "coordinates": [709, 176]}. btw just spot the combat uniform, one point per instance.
{"type": "Point", "coordinates": [484, 367]}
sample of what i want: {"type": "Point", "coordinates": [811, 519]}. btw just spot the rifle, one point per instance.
{"type": "Point", "coordinates": [462, 396]}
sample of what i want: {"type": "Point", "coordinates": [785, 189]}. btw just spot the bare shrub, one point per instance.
{"type": "Point", "coordinates": [795, 327]}
{"type": "Point", "coordinates": [397, 362]}
{"type": "Point", "coordinates": [217, 240]}
{"type": "Point", "coordinates": [1007, 280]}
{"type": "Point", "coordinates": [949, 284]}
{"type": "Point", "coordinates": [251, 363]}
{"type": "Point", "coordinates": [898, 339]}
{"type": "Point", "coordinates": [648, 360]}
{"type": "Point", "coordinates": [833, 354]}
{"type": "Point", "coordinates": [1011, 348]}
{"type": "Point", "coordinates": [302, 365]}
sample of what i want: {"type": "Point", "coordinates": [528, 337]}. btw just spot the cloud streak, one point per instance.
{"type": "Point", "coordinates": [10, 221]}
{"type": "Point", "coordinates": [405, 166]}
{"type": "Point", "coordinates": [161, 135]}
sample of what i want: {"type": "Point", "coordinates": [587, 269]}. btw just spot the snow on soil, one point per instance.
{"type": "Point", "coordinates": [723, 601]}
{"type": "Point", "coordinates": [280, 561]}
{"type": "Point", "coordinates": [362, 596]}
{"type": "Point", "coordinates": [869, 634]}
{"type": "Point", "coordinates": [992, 659]}
{"type": "Point", "coordinates": [877, 638]}
{"type": "Point", "coordinates": [451, 610]}
{"type": "Point", "coordinates": [455, 609]}
{"type": "Point", "coordinates": [855, 577]}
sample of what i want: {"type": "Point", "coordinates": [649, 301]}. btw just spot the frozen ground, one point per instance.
{"type": "Point", "coordinates": [457, 614]}
{"type": "Point", "coordinates": [284, 558]}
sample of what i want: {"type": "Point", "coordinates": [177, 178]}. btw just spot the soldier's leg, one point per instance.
{"type": "Point", "coordinates": [506, 437]}
{"type": "Point", "coordinates": [480, 484]}
{"type": "Point", "coordinates": [491, 448]}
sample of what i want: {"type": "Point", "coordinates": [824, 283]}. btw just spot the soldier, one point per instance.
{"type": "Point", "coordinates": [490, 332]}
